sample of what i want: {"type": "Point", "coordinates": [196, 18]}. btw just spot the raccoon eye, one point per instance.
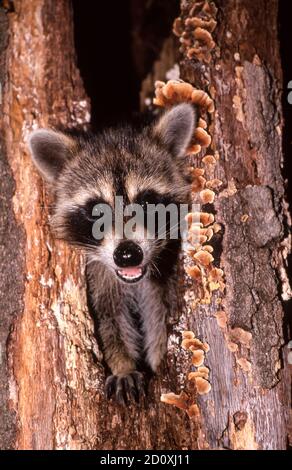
{"type": "Point", "coordinates": [93, 218]}
{"type": "Point", "coordinates": [91, 211]}
{"type": "Point", "coordinates": [150, 197]}
{"type": "Point", "coordinates": [144, 205]}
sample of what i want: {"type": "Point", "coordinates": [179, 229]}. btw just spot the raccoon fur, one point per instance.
{"type": "Point", "coordinates": [131, 283]}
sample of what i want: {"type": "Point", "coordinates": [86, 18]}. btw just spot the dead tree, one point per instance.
{"type": "Point", "coordinates": [51, 370]}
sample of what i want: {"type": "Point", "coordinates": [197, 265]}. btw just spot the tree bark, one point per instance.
{"type": "Point", "coordinates": [51, 370]}
{"type": "Point", "coordinates": [249, 404]}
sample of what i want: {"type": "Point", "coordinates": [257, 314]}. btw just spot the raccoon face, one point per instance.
{"type": "Point", "coordinates": [140, 167]}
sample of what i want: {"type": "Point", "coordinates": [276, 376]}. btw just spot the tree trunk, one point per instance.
{"type": "Point", "coordinates": [51, 370]}
{"type": "Point", "coordinates": [249, 404]}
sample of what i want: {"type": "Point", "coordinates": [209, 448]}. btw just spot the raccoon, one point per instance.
{"type": "Point", "coordinates": [131, 282]}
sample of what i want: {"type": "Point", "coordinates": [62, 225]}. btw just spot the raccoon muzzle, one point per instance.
{"type": "Point", "coordinates": [128, 257]}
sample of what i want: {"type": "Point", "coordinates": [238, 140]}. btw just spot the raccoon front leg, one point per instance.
{"type": "Point", "coordinates": [154, 316]}
{"type": "Point", "coordinates": [118, 337]}
{"type": "Point", "coordinates": [158, 302]}
{"type": "Point", "coordinates": [125, 381]}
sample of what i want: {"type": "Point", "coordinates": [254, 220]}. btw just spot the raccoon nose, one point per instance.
{"type": "Point", "coordinates": [128, 254]}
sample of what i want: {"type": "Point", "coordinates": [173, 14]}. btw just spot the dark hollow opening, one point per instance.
{"type": "Point", "coordinates": [116, 45]}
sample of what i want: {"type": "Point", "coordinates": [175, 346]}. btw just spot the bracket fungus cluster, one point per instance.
{"type": "Point", "coordinates": [200, 233]}
{"type": "Point", "coordinates": [195, 31]}
{"type": "Point", "coordinates": [201, 270]}
{"type": "Point", "coordinates": [198, 349]}
{"type": "Point", "coordinates": [177, 91]}
{"type": "Point", "coordinates": [201, 229]}
{"type": "Point", "coordinates": [198, 379]}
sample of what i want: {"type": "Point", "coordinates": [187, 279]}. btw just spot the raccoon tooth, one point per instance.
{"type": "Point", "coordinates": [128, 276]}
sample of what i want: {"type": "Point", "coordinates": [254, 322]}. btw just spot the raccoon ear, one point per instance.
{"type": "Point", "coordinates": [50, 150]}
{"type": "Point", "coordinates": [176, 128]}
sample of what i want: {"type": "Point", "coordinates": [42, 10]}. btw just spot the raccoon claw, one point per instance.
{"type": "Point", "coordinates": [123, 388]}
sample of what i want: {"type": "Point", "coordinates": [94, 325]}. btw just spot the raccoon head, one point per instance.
{"type": "Point", "coordinates": [140, 166]}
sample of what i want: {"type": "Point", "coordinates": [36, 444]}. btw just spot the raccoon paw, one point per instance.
{"type": "Point", "coordinates": [124, 387]}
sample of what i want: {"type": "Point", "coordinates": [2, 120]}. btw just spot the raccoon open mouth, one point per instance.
{"type": "Point", "coordinates": [131, 274]}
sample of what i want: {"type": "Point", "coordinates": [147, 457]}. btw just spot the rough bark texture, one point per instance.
{"type": "Point", "coordinates": [11, 261]}
{"type": "Point", "coordinates": [51, 372]}
{"type": "Point", "coordinates": [244, 77]}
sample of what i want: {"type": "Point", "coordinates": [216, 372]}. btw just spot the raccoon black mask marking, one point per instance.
{"type": "Point", "coordinates": [127, 278]}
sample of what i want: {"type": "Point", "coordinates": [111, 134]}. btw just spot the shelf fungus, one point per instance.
{"type": "Point", "coordinates": [202, 385]}
{"type": "Point", "coordinates": [216, 227]}
{"type": "Point", "coordinates": [197, 348]}
{"type": "Point", "coordinates": [203, 257]}
{"type": "Point", "coordinates": [198, 357]}
{"type": "Point", "coordinates": [199, 377]}
{"type": "Point", "coordinates": [202, 372]}
{"type": "Point", "coordinates": [188, 335]}
{"type": "Point", "coordinates": [195, 31]}
{"type": "Point", "coordinates": [181, 401]}
{"type": "Point", "coordinates": [198, 184]}
{"type": "Point", "coordinates": [198, 171]}
{"type": "Point", "coordinates": [202, 123]}
{"type": "Point", "coordinates": [205, 37]}
{"type": "Point", "coordinates": [193, 344]}
{"type": "Point", "coordinates": [178, 26]}
{"type": "Point", "coordinates": [202, 137]}
{"type": "Point", "coordinates": [209, 160]}
{"type": "Point", "coordinates": [194, 149]}
{"type": "Point", "coordinates": [214, 184]}
{"type": "Point", "coordinates": [205, 218]}
{"type": "Point", "coordinates": [197, 234]}
{"type": "Point", "coordinates": [208, 248]}
{"type": "Point", "coordinates": [177, 91]}
{"type": "Point", "coordinates": [216, 275]}
{"type": "Point", "coordinates": [201, 98]}
{"type": "Point", "coordinates": [194, 272]}
{"type": "Point", "coordinates": [207, 196]}
{"type": "Point", "coordinates": [209, 233]}
{"type": "Point", "coordinates": [201, 380]}
{"type": "Point", "coordinates": [197, 23]}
